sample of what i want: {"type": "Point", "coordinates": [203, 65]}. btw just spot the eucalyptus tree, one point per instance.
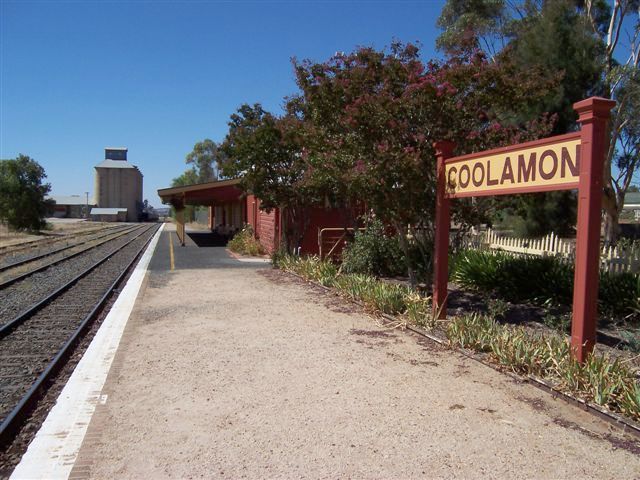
{"type": "Point", "coordinates": [593, 44]}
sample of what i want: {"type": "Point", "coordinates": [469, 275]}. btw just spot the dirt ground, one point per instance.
{"type": "Point", "coordinates": [8, 237]}
{"type": "Point", "coordinates": [55, 227]}
{"type": "Point", "coordinates": [254, 374]}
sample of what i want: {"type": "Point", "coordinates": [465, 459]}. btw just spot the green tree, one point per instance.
{"type": "Point", "coordinates": [625, 136]}
{"type": "Point", "coordinates": [578, 39]}
{"type": "Point", "coordinates": [204, 159]}
{"type": "Point", "coordinates": [266, 153]}
{"type": "Point", "coordinates": [472, 24]}
{"type": "Point", "coordinates": [189, 177]}
{"type": "Point", "coordinates": [578, 62]}
{"type": "Point", "coordinates": [579, 65]}
{"type": "Point", "coordinates": [22, 193]}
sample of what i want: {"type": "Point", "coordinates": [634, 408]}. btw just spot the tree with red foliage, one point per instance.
{"type": "Point", "coordinates": [371, 117]}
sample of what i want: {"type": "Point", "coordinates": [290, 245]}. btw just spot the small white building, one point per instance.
{"type": "Point", "coordinates": [109, 214]}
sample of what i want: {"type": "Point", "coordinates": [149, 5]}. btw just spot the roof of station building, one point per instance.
{"type": "Point", "coordinates": [207, 193]}
{"type": "Point", "coordinates": [70, 199]}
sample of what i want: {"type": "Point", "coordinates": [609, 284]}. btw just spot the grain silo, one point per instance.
{"type": "Point", "coordinates": [119, 183]}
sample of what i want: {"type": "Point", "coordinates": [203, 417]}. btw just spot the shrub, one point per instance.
{"type": "Point", "coordinates": [523, 353]}
{"type": "Point", "coordinates": [419, 310]}
{"type": "Point", "coordinates": [560, 322]}
{"type": "Point", "coordinates": [619, 293]}
{"type": "Point", "coordinates": [278, 258]}
{"type": "Point", "coordinates": [544, 281]}
{"type": "Point", "coordinates": [631, 341]}
{"type": "Point", "coordinates": [376, 295]}
{"type": "Point", "coordinates": [244, 243]}
{"type": "Point", "coordinates": [386, 298]}
{"type": "Point", "coordinates": [477, 270]}
{"type": "Point", "coordinates": [322, 271]}
{"type": "Point", "coordinates": [373, 252]}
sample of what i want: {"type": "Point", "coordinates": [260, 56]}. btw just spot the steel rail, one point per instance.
{"type": "Point", "coordinates": [16, 417]}
{"type": "Point", "coordinates": [11, 281]}
{"type": "Point", "coordinates": [61, 249]}
{"type": "Point", "coordinates": [24, 315]}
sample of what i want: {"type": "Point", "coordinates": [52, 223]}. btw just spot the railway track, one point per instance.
{"type": "Point", "coordinates": [19, 289]}
{"type": "Point", "coordinates": [26, 267]}
{"type": "Point", "coordinates": [10, 261]}
{"type": "Point", "coordinates": [35, 343]}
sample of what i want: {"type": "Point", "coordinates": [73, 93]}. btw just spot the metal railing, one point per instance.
{"type": "Point", "coordinates": [335, 238]}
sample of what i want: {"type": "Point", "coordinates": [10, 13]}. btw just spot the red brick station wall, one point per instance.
{"type": "Point", "coordinates": [230, 209]}
{"type": "Point", "coordinates": [267, 226]}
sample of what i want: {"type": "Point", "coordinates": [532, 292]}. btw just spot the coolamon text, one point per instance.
{"type": "Point", "coordinates": [554, 166]}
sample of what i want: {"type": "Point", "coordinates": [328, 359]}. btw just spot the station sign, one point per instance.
{"type": "Point", "coordinates": [563, 162]}
{"type": "Point", "coordinates": [553, 164]}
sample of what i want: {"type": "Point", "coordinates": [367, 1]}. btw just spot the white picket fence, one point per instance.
{"type": "Point", "coordinates": [612, 259]}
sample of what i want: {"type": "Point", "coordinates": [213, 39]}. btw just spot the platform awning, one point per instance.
{"type": "Point", "coordinates": [209, 193]}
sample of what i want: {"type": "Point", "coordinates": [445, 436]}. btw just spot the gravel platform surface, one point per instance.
{"type": "Point", "coordinates": [249, 373]}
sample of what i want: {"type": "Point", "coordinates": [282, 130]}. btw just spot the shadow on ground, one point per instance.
{"type": "Point", "coordinates": [207, 239]}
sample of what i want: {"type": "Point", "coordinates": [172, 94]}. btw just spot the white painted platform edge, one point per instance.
{"type": "Point", "coordinates": [54, 450]}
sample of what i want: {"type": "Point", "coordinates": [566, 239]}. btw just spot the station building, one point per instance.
{"type": "Point", "coordinates": [118, 184]}
{"type": "Point", "coordinates": [71, 206]}
{"type": "Point", "coordinates": [230, 209]}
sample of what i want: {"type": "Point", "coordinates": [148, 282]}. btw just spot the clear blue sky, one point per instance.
{"type": "Point", "coordinates": [158, 76]}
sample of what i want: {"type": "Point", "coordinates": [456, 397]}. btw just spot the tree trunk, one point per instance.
{"type": "Point", "coordinates": [609, 197]}
{"type": "Point", "coordinates": [611, 229]}
{"type": "Point", "coordinates": [610, 207]}
{"type": "Point", "coordinates": [404, 244]}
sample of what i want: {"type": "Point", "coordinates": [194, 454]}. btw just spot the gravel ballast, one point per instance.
{"type": "Point", "coordinates": [250, 373]}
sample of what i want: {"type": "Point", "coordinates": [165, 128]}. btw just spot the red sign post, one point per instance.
{"type": "Point", "coordinates": [564, 162]}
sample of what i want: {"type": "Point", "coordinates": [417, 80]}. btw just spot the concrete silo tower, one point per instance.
{"type": "Point", "coordinates": [119, 183]}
